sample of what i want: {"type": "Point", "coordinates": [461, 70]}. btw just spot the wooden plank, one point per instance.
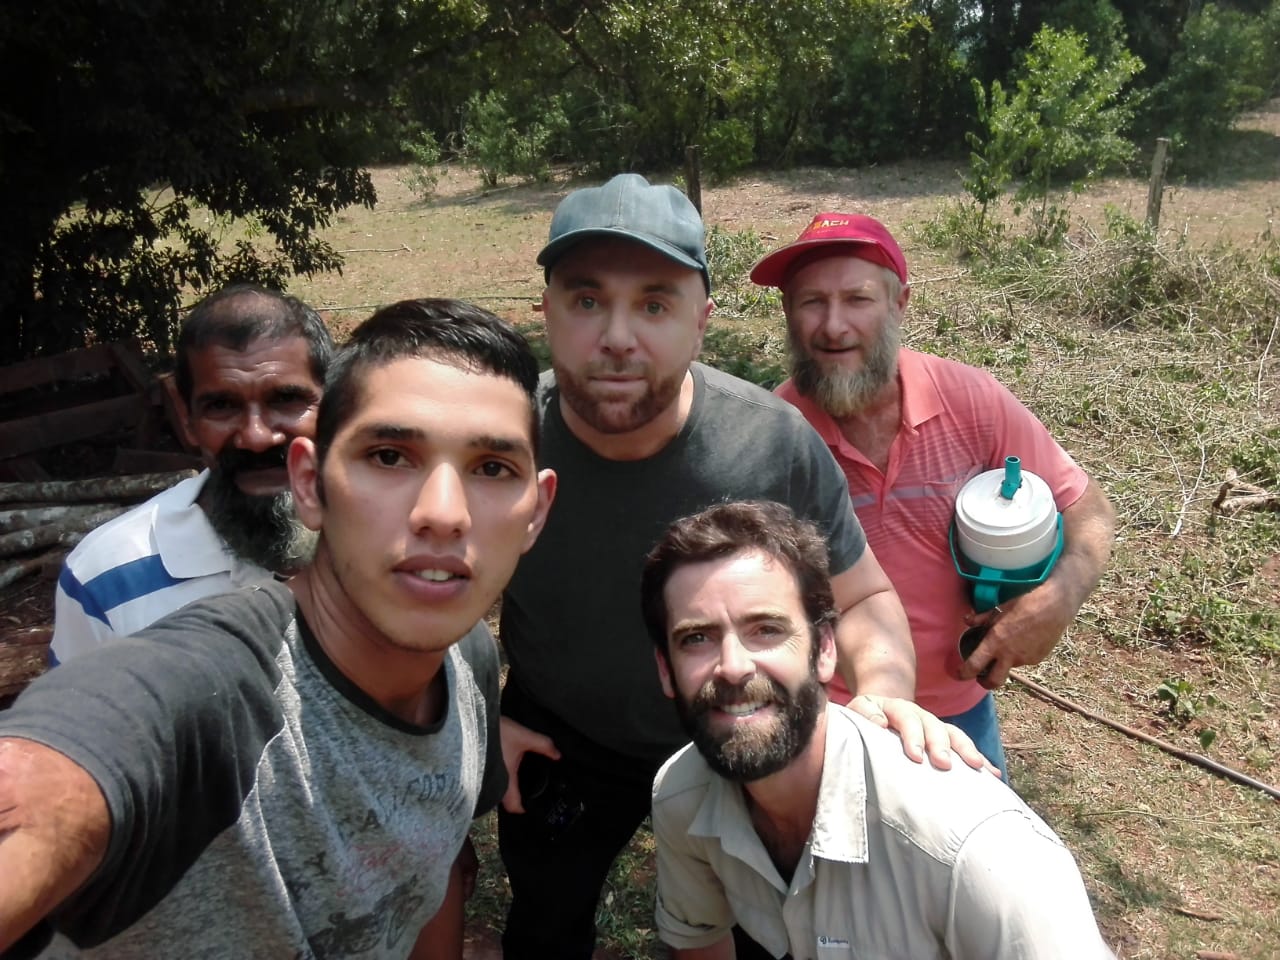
{"type": "Point", "coordinates": [60, 366]}
{"type": "Point", "coordinates": [173, 408]}
{"type": "Point", "coordinates": [47, 430]}
{"type": "Point", "coordinates": [128, 357]}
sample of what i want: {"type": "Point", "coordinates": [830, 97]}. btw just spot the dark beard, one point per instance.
{"type": "Point", "coordinates": [263, 530]}
{"type": "Point", "coordinates": [744, 757]}
{"type": "Point", "coordinates": [608, 419]}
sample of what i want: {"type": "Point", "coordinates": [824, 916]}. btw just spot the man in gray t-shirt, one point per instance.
{"type": "Point", "coordinates": [290, 771]}
{"type": "Point", "coordinates": [639, 435]}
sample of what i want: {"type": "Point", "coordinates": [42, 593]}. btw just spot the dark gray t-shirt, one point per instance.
{"type": "Point", "coordinates": [571, 621]}
{"type": "Point", "coordinates": [261, 804]}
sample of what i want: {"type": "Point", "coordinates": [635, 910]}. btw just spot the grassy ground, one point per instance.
{"type": "Point", "coordinates": [1156, 366]}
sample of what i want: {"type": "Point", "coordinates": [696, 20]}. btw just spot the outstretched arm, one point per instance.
{"type": "Point", "coordinates": [54, 830]}
{"type": "Point", "coordinates": [1026, 628]}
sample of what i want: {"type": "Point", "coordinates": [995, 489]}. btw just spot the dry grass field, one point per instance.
{"type": "Point", "coordinates": [1179, 642]}
{"type": "Point", "coordinates": [1161, 406]}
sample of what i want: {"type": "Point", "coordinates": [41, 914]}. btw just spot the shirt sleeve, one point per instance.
{"type": "Point", "coordinates": [692, 910]}
{"type": "Point", "coordinates": [1019, 432]}
{"type": "Point", "coordinates": [1016, 892]}
{"type": "Point", "coordinates": [78, 626]}
{"type": "Point", "coordinates": [480, 650]}
{"type": "Point", "coordinates": [821, 495]}
{"type": "Point", "coordinates": [170, 724]}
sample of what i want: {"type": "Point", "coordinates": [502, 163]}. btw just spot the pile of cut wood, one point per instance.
{"type": "Point", "coordinates": [39, 523]}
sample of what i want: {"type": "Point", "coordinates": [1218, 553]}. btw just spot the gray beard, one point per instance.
{"type": "Point", "coordinates": [843, 393]}
{"type": "Point", "coordinates": [263, 530]}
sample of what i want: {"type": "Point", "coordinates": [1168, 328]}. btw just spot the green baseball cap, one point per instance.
{"type": "Point", "coordinates": [628, 206]}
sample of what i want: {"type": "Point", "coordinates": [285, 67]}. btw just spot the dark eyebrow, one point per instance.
{"type": "Point", "coordinates": [484, 441]}
{"type": "Point", "coordinates": [295, 391]}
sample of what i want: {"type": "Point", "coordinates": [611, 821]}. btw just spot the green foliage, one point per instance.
{"type": "Point", "coordinates": [727, 147]}
{"type": "Point", "coordinates": [424, 155]}
{"type": "Point", "coordinates": [1179, 697]}
{"type": "Point", "coordinates": [500, 146]}
{"type": "Point", "coordinates": [254, 113]}
{"type": "Point", "coordinates": [1226, 62]}
{"type": "Point", "coordinates": [1063, 120]}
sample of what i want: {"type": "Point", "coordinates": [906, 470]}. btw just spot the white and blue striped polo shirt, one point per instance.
{"type": "Point", "coordinates": [139, 567]}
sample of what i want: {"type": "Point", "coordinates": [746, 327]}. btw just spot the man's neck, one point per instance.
{"type": "Point", "coordinates": [408, 684]}
{"type": "Point", "coordinates": [784, 806]}
{"type": "Point", "coordinates": [638, 444]}
{"type": "Point", "coordinates": [873, 428]}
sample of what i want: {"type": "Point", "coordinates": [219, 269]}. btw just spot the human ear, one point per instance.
{"type": "Point", "coordinates": [305, 483]}
{"type": "Point", "coordinates": [664, 673]}
{"type": "Point", "coordinates": [546, 496]}
{"type": "Point", "coordinates": [826, 664]}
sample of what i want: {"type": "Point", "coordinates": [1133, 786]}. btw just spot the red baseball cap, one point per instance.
{"type": "Point", "coordinates": [861, 236]}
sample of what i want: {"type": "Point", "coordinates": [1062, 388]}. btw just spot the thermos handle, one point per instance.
{"type": "Point", "coordinates": [986, 590]}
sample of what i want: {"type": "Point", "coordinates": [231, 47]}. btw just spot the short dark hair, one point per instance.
{"type": "Point", "coordinates": [242, 312]}
{"type": "Point", "coordinates": [449, 331]}
{"type": "Point", "coordinates": [725, 530]}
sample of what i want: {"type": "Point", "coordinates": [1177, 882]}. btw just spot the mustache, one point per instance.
{"type": "Point", "coordinates": [620, 367]}
{"type": "Point", "coordinates": [716, 693]}
{"type": "Point", "coordinates": [233, 460]}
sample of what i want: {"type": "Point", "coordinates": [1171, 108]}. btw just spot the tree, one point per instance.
{"type": "Point", "coordinates": [1064, 120]}
{"type": "Point", "coordinates": [120, 119]}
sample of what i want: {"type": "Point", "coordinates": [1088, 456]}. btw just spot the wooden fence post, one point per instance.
{"type": "Point", "coordinates": [693, 176]}
{"type": "Point", "coordinates": [1155, 192]}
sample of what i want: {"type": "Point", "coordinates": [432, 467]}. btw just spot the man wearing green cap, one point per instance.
{"type": "Point", "coordinates": [909, 430]}
{"type": "Point", "coordinates": [640, 434]}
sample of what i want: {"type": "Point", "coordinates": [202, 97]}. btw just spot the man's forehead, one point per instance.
{"type": "Point", "coordinates": [846, 269]}
{"type": "Point", "coordinates": [265, 355]}
{"type": "Point", "coordinates": [422, 397]}
{"type": "Point", "coordinates": [597, 257]}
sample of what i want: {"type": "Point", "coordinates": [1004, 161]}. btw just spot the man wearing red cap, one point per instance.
{"type": "Point", "coordinates": [909, 430]}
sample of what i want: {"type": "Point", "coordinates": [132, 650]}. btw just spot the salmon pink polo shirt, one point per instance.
{"type": "Point", "coordinates": [957, 421]}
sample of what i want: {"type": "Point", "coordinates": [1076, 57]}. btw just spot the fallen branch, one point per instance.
{"type": "Point", "coordinates": [64, 533]}
{"type": "Point", "coordinates": [13, 572]}
{"type": "Point", "coordinates": [403, 248]}
{"type": "Point", "coordinates": [1194, 758]}
{"type": "Point", "coordinates": [137, 486]}
{"type": "Point", "coordinates": [1236, 495]}
{"type": "Point", "coordinates": [11, 520]}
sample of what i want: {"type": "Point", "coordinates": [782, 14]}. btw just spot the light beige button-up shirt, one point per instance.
{"type": "Point", "coordinates": [903, 861]}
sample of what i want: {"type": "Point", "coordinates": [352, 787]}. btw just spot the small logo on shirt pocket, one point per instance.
{"type": "Point", "coordinates": [832, 943]}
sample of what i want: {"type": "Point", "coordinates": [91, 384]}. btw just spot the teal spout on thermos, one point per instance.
{"type": "Point", "coordinates": [1007, 533]}
{"type": "Point", "coordinates": [1012, 477]}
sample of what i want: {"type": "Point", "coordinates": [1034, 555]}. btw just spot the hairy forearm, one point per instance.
{"type": "Point", "coordinates": [54, 829]}
{"type": "Point", "coordinates": [873, 644]}
{"type": "Point", "coordinates": [1088, 528]}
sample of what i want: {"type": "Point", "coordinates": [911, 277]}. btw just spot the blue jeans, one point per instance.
{"type": "Point", "coordinates": [982, 725]}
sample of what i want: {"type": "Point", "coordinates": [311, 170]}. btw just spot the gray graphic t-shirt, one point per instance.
{"type": "Point", "coordinates": [261, 804]}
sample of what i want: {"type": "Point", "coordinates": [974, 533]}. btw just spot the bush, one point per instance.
{"type": "Point", "coordinates": [501, 146]}
{"type": "Point", "coordinates": [424, 156]}
{"type": "Point", "coordinates": [1226, 64]}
